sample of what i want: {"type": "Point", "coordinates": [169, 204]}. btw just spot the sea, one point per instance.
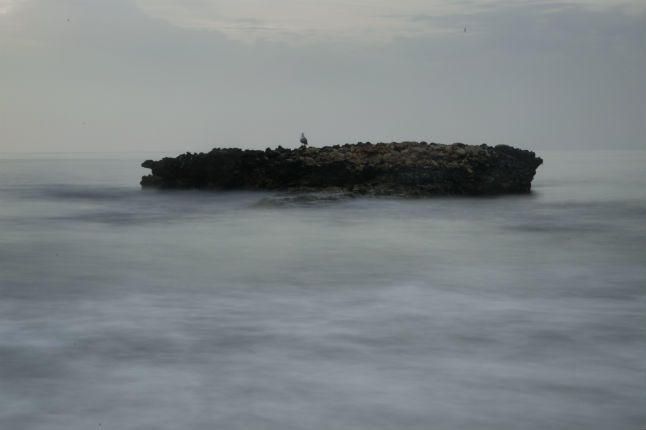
{"type": "Point", "coordinates": [123, 308]}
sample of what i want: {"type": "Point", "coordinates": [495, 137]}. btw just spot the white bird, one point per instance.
{"type": "Point", "coordinates": [303, 139]}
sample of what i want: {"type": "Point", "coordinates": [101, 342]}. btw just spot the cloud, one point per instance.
{"type": "Point", "coordinates": [7, 5]}
{"type": "Point", "coordinates": [302, 21]}
{"type": "Point", "coordinates": [109, 76]}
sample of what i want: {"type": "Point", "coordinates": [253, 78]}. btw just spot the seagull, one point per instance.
{"type": "Point", "coordinates": [303, 139]}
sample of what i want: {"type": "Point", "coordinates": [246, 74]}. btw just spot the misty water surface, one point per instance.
{"type": "Point", "coordinates": [130, 309]}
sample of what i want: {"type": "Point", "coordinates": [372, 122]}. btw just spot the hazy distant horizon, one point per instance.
{"type": "Point", "coordinates": [170, 152]}
{"type": "Point", "coordinates": [176, 75]}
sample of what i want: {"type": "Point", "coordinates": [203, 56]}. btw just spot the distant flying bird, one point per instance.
{"type": "Point", "coordinates": [303, 139]}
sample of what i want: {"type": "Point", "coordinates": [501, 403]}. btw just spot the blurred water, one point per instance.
{"type": "Point", "coordinates": [130, 309]}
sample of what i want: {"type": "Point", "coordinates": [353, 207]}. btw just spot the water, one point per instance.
{"type": "Point", "coordinates": [129, 309]}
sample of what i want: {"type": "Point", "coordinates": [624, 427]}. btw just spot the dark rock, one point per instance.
{"type": "Point", "coordinates": [404, 168]}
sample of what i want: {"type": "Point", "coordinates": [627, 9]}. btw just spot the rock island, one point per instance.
{"type": "Point", "coordinates": [398, 168]}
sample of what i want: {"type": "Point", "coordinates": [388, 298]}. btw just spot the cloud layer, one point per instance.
{"type": "Point", "coordinates": [363, 20]}
{"type": "Point", "coordinates": [84, 75]}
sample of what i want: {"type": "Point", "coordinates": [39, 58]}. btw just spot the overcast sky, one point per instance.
{"type": "Point", "coordinates": [188, 75]}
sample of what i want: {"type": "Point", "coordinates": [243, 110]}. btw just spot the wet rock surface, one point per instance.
{"type": "Point", "coordinates": [403, 168]}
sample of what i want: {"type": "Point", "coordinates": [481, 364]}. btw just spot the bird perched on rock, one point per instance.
{"type": "Point", "coordinates": [303, 139]}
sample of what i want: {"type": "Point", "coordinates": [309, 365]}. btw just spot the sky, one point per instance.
{"type": "Point", "coordinates": [190, 75]}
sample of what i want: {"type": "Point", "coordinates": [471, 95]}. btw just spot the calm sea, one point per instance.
{"type": "Point", "coordinates": [130, 309]}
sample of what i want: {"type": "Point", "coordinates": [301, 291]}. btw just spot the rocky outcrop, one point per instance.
{"type": "Point", "coordinates": [405, 168]}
